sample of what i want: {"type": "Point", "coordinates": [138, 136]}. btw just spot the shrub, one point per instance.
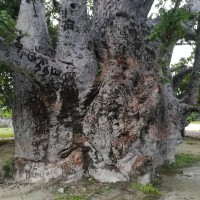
{"type": "Point", "coordinates": [5, 112]}
{"type": "Point", "coordinates": [193, 116]}
{"type": "Point", "coordinates": [147, 189]}
{"type": "Point", "coordinates": [8, 169]}
{"type": "Point", "coordinates": [184, 160]}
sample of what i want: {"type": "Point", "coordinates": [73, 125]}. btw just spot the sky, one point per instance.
{"type": "Point", "coordinates": [181, 51]}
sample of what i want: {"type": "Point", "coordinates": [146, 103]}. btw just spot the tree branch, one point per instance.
{"type": "Point", "coordinates": [189, 108]}
{"type": "Point", "coordinates": [179, 77]}
{"type": "Point", "coordinates": [193, 6]}
{"type": "Point", "coordinates": [36, 66]}
{"type": "Point", "coordinates": [192, 91]}
{"type": "Point", "coordinates": [177, 4]}
{"type": "Point", "coordinates": [190, 34]}
{"type": "Point", "coordinates": [145, 8]}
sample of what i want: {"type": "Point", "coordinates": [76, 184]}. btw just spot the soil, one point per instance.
{"type": "Point", "coordinates": [174, 186]}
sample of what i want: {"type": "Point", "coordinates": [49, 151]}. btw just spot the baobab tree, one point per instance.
{"type": "Point", "coordinates": [102, 103]}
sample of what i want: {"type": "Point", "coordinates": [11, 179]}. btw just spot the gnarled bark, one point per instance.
{"type": "Point", "coordinates": [99, 107]}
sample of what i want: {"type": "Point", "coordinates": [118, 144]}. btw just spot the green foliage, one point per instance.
{"type": "Point", "coordinates": [8, 169]}
{"type": "Point", "coordinates": [193, 116]}
{"type": "Point", "coordinates": [11, 7]}
{"type": "Point", "coordinates": [8, 14]}
{"type": "Point", "coordinates": [53, 33]}
{"type": "Point", "coordinates": [196, 122]}
{"type": "Point", "coordinates": [169, 30]}
{"type": "Point", "coordinates": [184, 160]}
{"type": "Point", "coordinates": [178, 67]}
{"type": "Point", "coordinates": [183, 62]}
{"type": "Point", "coordinates": [5, 112]}
{"type": "Point", "coordinates": [147, 189]}
{"type": "Point", "coordinates": [165, 80]}
{"type": "Point", "coordinates": [52, 13]}
{"type": "Point", "coordinates": [90, 4]}
{"type": "Point", "coordinates": [7, 26]}
{"type": "Point", "coordinates": [6, 133]}
{"type": "Point", "coordinates": [6, 88]}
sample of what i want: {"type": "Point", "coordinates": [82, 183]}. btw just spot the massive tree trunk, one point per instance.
{"type": "Point", "coordinates": [99, 105]}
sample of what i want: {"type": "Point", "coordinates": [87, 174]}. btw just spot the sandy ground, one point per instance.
{"type": "Point", "coordinates": [193, 130]}
{"type": "Point", "coordinates": [186, 184]}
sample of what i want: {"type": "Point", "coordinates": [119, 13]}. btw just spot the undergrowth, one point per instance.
{"type": "Point", "coordinates": [8, 169]}
{"type": "Point", "coordinates": [184, 160]}
{"type": "Point", "coordinates": [147, 189]}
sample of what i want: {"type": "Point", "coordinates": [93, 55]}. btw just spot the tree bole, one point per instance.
{"type": "Point", "coordinates": [97, 107]}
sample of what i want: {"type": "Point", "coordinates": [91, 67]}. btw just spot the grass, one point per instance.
{"type": "Point", "coordinates": [191, 141]}
{"type": "Point", "coordinates": [147, 189]}
{"type": "Point", "coordinates": [184, 160]}
{"type": "Point", "coordinates": [6, 133]}
{"type": "Point", "coordinates": [196, 122]}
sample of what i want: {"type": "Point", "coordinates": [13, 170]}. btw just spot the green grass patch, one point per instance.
{"type": "Point", "coordinates": [6, 133]}
{"type": "Point", "coordinates": [147, 189]}
{"type": "Point", "coordinates": [196, 122]}
{"type": "Point", "coordinates": [184, 160]}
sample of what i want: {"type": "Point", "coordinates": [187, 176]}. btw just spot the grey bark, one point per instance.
{"type": "Point", "coordinates": [191, 94]}
{"type": "Point", "coordinates": [30, 117]}
{"type": "Point", "coordinates": [98, 107]}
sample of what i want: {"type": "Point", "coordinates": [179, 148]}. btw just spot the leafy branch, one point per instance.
{"type": "Point", "coordinates": [170, 28]}
{"type": "Point", "coordinates": [7, 27]}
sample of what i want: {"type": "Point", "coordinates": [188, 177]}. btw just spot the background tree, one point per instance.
{"type": "Point", "coordinates": [102, 103]}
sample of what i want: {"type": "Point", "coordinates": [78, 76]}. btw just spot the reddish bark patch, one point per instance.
{"type": "Point", "coordinates": [20, 162]}
{"type": "Point", "coordinates": [142, 162]}
{"type": "Point", "coordinates": [89, 118]}
{"type": "Point", "coordinates": [80, 139]}
{"type": "Point", "coordinates": [55, 105]}
{"type": "Point", "coordinates": [74, 160]}
{"type": "Point", "coordinates": [77, 158]}
{"type": "Point", "coordinates": [124, 140]}
{"type": "Point", "coordinates": [123, 62]}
